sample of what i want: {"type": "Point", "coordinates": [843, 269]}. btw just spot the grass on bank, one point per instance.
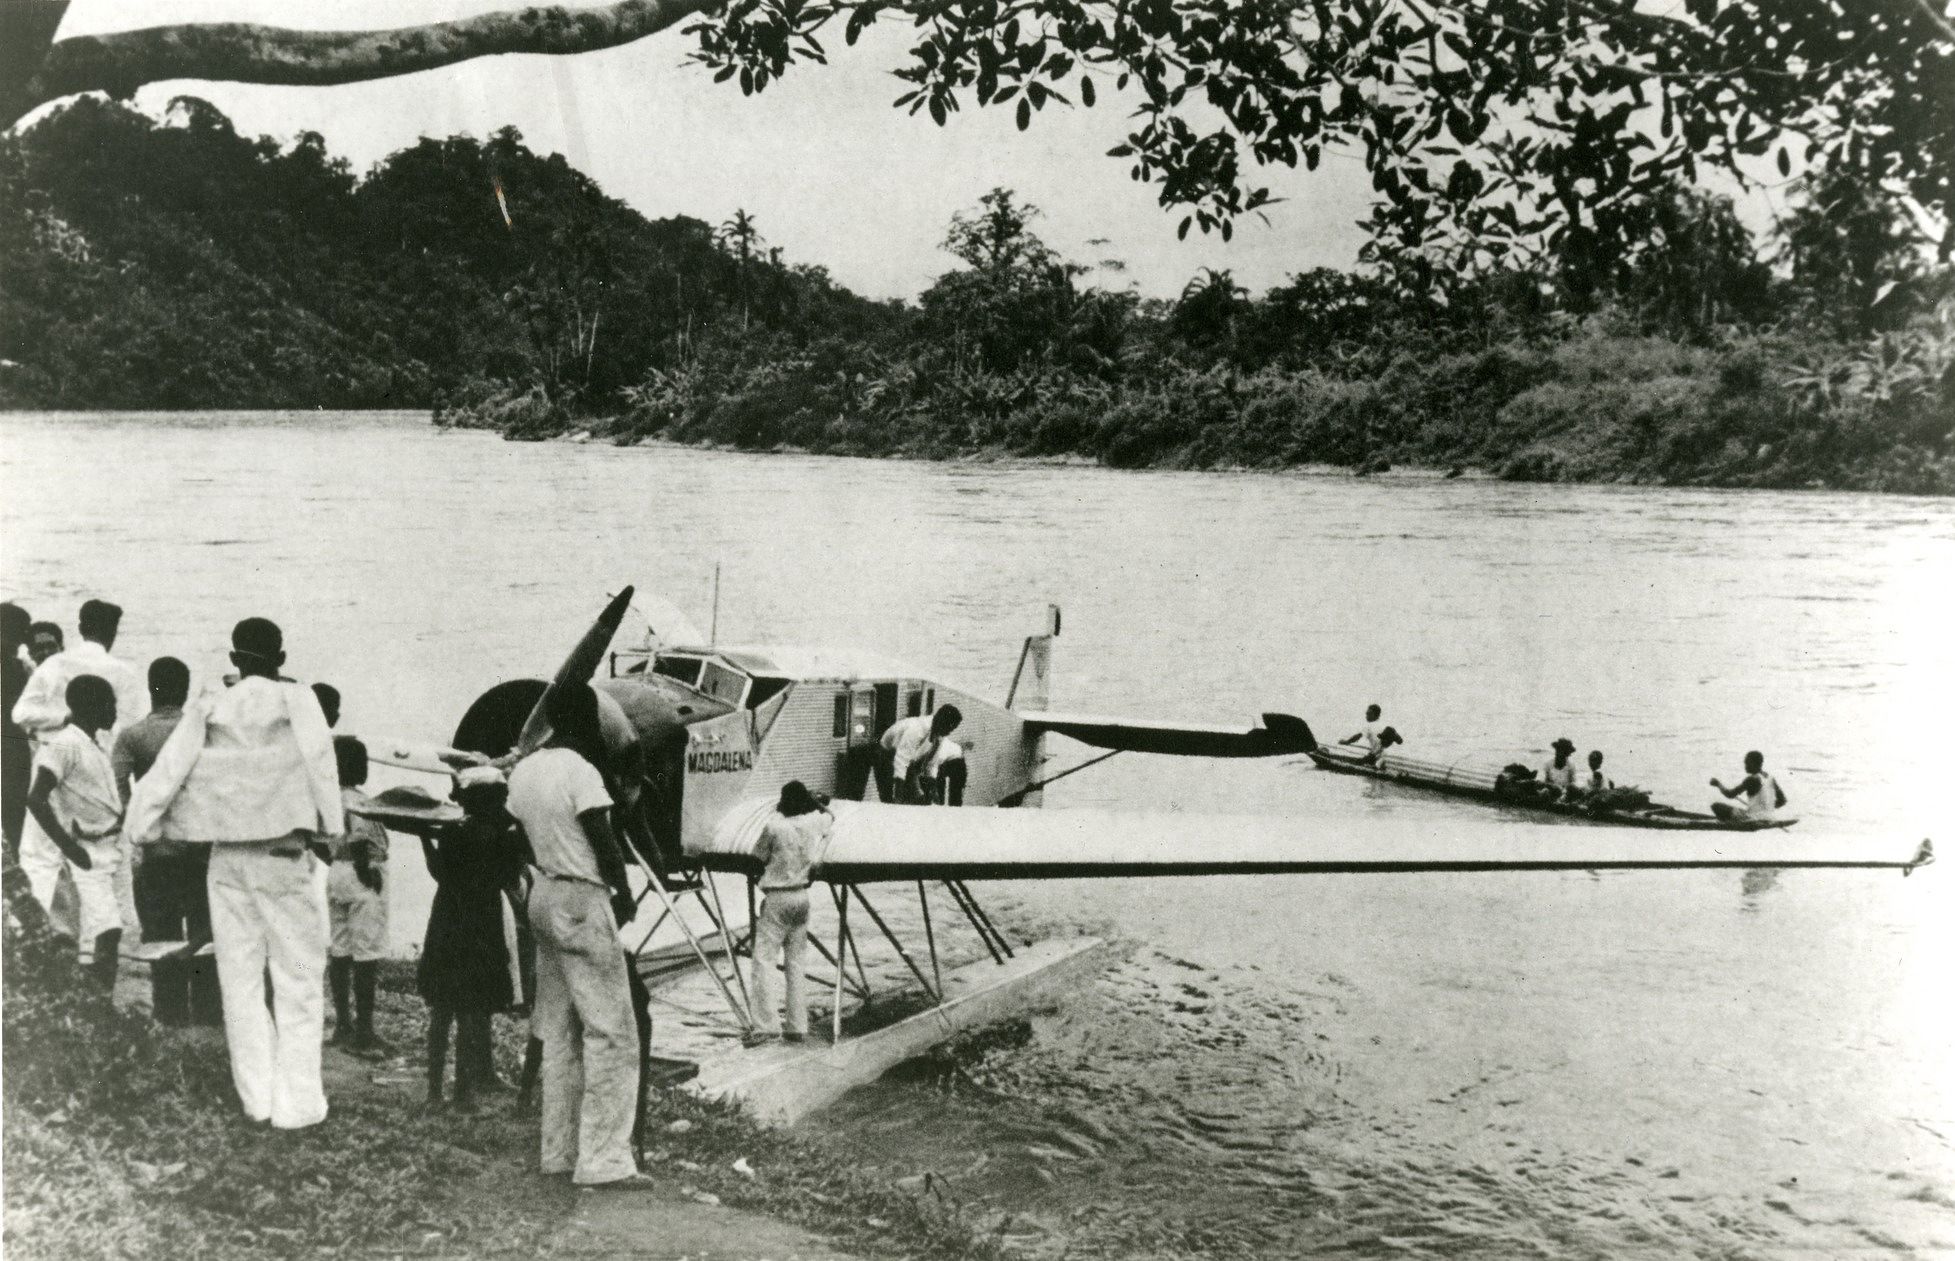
{"type": "Point", "coordinates": [124, 1140]}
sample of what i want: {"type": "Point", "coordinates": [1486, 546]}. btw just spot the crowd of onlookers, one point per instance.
{"type": "Point", "coordinates": [203, 817]}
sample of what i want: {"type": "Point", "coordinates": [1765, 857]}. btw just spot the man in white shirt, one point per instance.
{"type": "Point", "coordinates": [1372, 737]}
{"type": "Point", "coordinates": [908, 746]}
{"type": "Point", "coordinates": [251, 772]}
{"type": "Point", "coordinates": [75, 820]}
{"type": "Point", "coordinates": [582, 1012]}
{"type": "Point", "coordinates": [43, 706]}
{"type": "Point", "coordinates": [1758, 794]}
{"type": "Point", "coordinates": [1559, 773]}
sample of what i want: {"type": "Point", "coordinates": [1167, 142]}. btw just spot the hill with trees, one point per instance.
{"type": "Point", "coordinates": [175, 263]}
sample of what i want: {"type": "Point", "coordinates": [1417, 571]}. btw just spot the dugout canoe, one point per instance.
{"type": "Point", "coordinates": [1475, 783]}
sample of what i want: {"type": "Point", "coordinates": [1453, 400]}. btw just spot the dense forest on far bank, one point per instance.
{"type": "Point", "coordinates": [176, 263]}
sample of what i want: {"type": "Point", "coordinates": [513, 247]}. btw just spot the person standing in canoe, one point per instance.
{"type": "Point", "coordinates": [1559, 774]}
{"type": "Point", "coordinates": [1758, 794]}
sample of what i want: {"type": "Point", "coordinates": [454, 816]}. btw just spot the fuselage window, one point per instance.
{"type": "Point", "coordinates": [764, 690]}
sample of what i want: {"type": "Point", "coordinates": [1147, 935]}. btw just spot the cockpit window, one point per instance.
{"type": "Point", "coordinates": [723, 684]}
{"type": "Point", "coordinates": [684, 669]}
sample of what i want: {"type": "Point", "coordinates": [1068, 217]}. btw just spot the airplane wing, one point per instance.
{"type": "Point", "coordinates": [1279, 734]}
{"type": "Point", "coordinates": [873, 842]}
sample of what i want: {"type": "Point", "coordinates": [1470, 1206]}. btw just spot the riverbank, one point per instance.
{"type": "Point", "coordinates": [123, 1139]}
{"type": "Point", "coordinates": [1599, 406]}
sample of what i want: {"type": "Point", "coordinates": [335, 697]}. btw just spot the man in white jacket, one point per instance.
{"type": "Point", "coordinates": [251, 772]}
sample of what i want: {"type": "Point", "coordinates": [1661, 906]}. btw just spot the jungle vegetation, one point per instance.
{"type": "Point", "coordinates": [174, 262]}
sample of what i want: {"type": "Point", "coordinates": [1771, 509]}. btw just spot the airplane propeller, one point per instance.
{"type": "Point", "coordinates": [579, 667]}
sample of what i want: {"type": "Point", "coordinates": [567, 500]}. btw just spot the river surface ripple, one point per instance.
{"type": "Point", "coordinates": [1548, 1065]}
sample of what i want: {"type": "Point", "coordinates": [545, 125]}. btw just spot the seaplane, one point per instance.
{"type": "Point", "coordinates": [702, 736]}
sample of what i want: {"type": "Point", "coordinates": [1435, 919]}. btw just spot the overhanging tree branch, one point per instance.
{"type": "Point", "coordinates": [243, 52]}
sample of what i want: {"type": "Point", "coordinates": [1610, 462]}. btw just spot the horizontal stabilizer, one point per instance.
{"type": "Point", "coordinates": [1279, 734]}
{"type": "Point", "coordinates": [873, 842]}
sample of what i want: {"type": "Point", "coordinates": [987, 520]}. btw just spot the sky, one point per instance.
{"type": "Point", "coordinates": [832, 173]}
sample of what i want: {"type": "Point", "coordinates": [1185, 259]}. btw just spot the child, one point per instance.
{"type": "Point", "coordinates": [464, 972]}
{"type": "Point", "coordinates": [77, 815]}
{"type": "Point", "coordinates": [1598, 783]}
{"type": "Point", "coordinates": [357, 898]}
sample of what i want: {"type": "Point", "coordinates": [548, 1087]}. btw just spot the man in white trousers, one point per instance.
{"type": "Point", "coordinates": [251, 772]}
{"type": "Point", "coordinates": [583, 1012]}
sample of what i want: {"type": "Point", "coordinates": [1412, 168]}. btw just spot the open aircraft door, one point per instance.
{"type": "Point", "coordinates": [855, 719]}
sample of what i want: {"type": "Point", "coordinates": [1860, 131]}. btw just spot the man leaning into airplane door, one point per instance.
{"type": "Point", "coordinates": [909, 745]}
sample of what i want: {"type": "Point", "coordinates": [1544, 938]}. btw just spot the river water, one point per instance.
{"type": "Point", "coordinates": [1554, 1065]}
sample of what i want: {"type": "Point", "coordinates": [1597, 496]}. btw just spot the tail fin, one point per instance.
{"type": "Point", "coordinates": [1031, 687]}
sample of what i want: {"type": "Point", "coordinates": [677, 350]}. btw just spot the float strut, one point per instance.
{"type": "Point", "coordinates": [718, 913]}
{"type": "Point", "coordinates": [658, 886]}
{"type": "Point", "coordinates": [979, 920]}
{"type": "Point", "coordinates": [936, 995]}
{"type": "Point", "coordinates": [841, 957]}
{"type": "Point", "coordinates": [930, 938]}
{"type": "Point", "coordinates": [965, 907]}
{"type": "Point", "coordinates": [827, 956]}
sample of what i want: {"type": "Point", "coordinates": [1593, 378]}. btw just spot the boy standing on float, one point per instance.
{"type": "Point", "coordinates": [251, 771]}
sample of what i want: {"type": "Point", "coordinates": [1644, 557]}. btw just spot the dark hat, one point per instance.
{"type": "Point", "coordinates": [1564, 743]}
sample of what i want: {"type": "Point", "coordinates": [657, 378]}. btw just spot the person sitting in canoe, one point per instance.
{"type": "Point", "coordinates": [1559, 774]}
{"type": "Point", "coordinates": [1758, 794]}
{"type": "Point", "coordinates": [1595, 783]}
{"type": "Point", "coordinates": [1372, 737]}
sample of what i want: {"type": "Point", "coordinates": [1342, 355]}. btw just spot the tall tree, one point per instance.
{"type": "Point", "coordinates": [741, 239]}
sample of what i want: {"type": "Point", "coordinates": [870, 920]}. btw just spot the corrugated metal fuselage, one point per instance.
{"type": "Point", "coordinates": [704, 757]}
